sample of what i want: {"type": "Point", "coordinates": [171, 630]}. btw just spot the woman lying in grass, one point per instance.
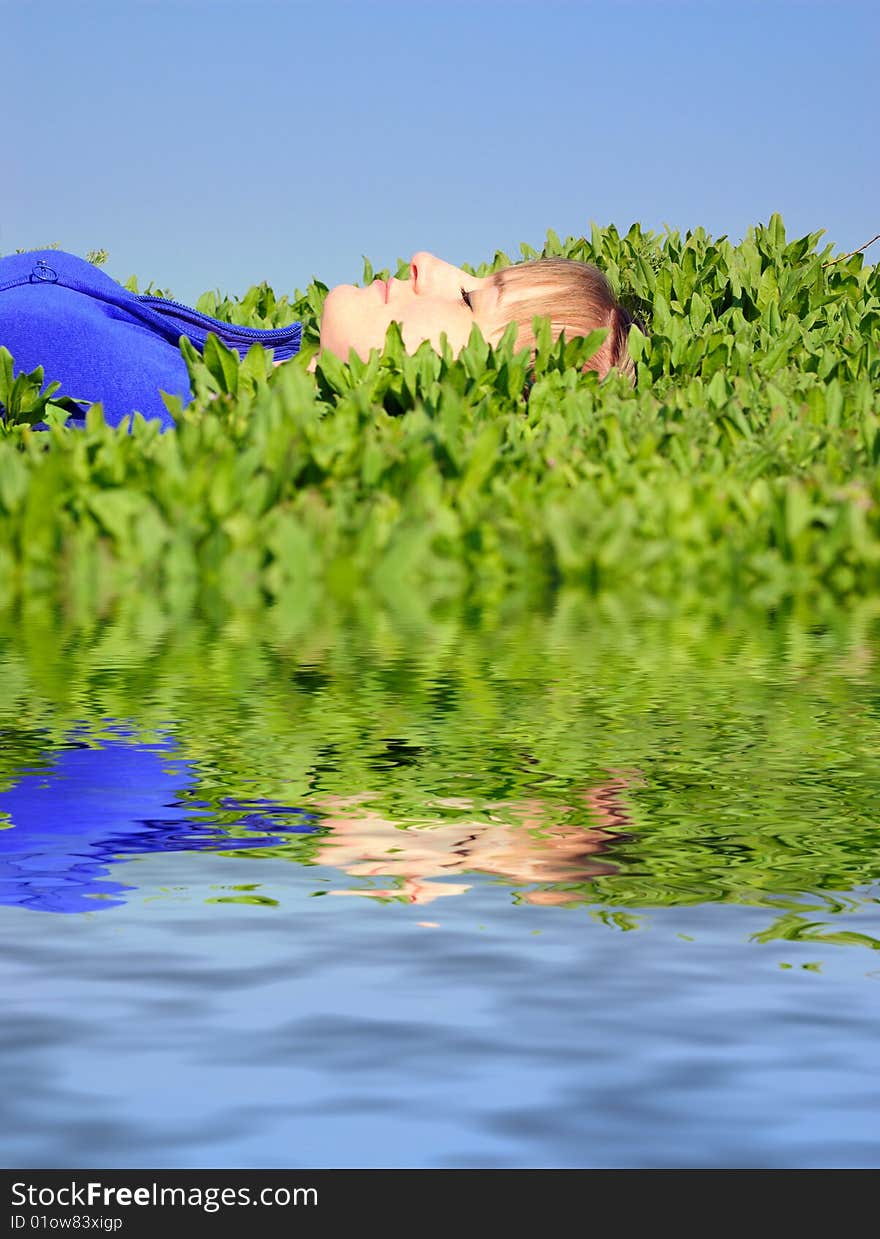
{"type": "Point", "coordinates": [104, 343]}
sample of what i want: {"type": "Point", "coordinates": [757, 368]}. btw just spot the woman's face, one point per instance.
{"type": "Point", "coordinates": [437, 299]}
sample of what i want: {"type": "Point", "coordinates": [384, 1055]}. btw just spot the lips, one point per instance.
{"type": "Point", "coordinates": [384, 288]}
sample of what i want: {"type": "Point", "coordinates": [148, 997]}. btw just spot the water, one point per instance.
{"type": "Point", "coordinates": [576, 889]}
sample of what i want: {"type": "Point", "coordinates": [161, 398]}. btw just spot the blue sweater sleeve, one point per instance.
{"type": "Point", "coordinates": [104, 343]}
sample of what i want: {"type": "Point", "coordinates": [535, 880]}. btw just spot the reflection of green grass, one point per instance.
{"type": "Point", "coordinates": [795, 927]}
{"type": "Point", "coordinates": [754, 737]}
{"type": "Point", "coordinates": [257, 901]}
{"type": "Point", "coordinates": [745, 461]}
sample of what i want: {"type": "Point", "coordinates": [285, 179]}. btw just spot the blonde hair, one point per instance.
{"type": "Point", "coordinates": [576, 297]}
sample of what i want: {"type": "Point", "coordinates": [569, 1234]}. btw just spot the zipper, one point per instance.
{"type": "Point", "coordinates": [198, 319]}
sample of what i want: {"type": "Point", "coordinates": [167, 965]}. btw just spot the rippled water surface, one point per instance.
{"type": "Point", "coordinates": [581, 888]}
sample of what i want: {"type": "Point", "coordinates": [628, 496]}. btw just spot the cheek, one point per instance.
{"type": "Point", "coordinates": [351, 321]}
{"type": "Point", "coordinates": [418, 327]}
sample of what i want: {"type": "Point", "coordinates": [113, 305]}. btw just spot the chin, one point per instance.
{"type": "Point", "coordinates": [339, 318]}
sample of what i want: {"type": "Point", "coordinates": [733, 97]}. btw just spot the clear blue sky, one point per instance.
{"type": "Point", "coordinates": [212, 143]}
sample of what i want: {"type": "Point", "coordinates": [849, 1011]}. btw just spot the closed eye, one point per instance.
{"type": "Point", "coordinates": [466, 298]}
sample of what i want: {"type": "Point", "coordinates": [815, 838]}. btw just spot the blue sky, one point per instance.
{"type": "Point", "coordinates": [212, 143]}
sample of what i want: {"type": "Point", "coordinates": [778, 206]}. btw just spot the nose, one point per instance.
{"type": "Point", "coordinates": [432, 275]}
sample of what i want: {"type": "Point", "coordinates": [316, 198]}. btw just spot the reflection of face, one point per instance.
{"type": "Point", "coordinates": [367, 844]}
{"type": "Point", "coordinates": [436, 299]}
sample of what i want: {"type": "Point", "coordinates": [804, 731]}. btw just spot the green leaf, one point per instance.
{"type": "Point", "coordinates": [222, 364]}
{"type": "Point", "coordinates": [768, 289]}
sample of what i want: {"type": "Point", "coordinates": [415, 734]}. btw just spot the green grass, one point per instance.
{"type": "Point", "coordinates": [743, 465]}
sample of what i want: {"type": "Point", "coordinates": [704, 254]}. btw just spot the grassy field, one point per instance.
{"type": "Point", "coordinates": [742, 465]}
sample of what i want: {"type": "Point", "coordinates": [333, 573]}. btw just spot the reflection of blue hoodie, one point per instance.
{"type": "Point", "coordinates": [96, 806]}
{"type": "Point", "coordinates": [104, 343]}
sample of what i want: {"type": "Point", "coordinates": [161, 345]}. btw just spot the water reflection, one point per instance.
{"type": "Point", "coordinates": [523, 842]}
{"type": "Point", "coordinates": [86, 808]}
{"type": "Point", "coordinates": [578, 756]}
{"type": "Point", "coordinates": [712, 785]}
{"type": "Point", "coordinates": [70, 820]}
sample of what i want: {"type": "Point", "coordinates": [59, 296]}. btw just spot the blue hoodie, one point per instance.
{"type": "Point", "coordinates": [104, 343]}
{"type": "Point", "coordinates": [81, 812]}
